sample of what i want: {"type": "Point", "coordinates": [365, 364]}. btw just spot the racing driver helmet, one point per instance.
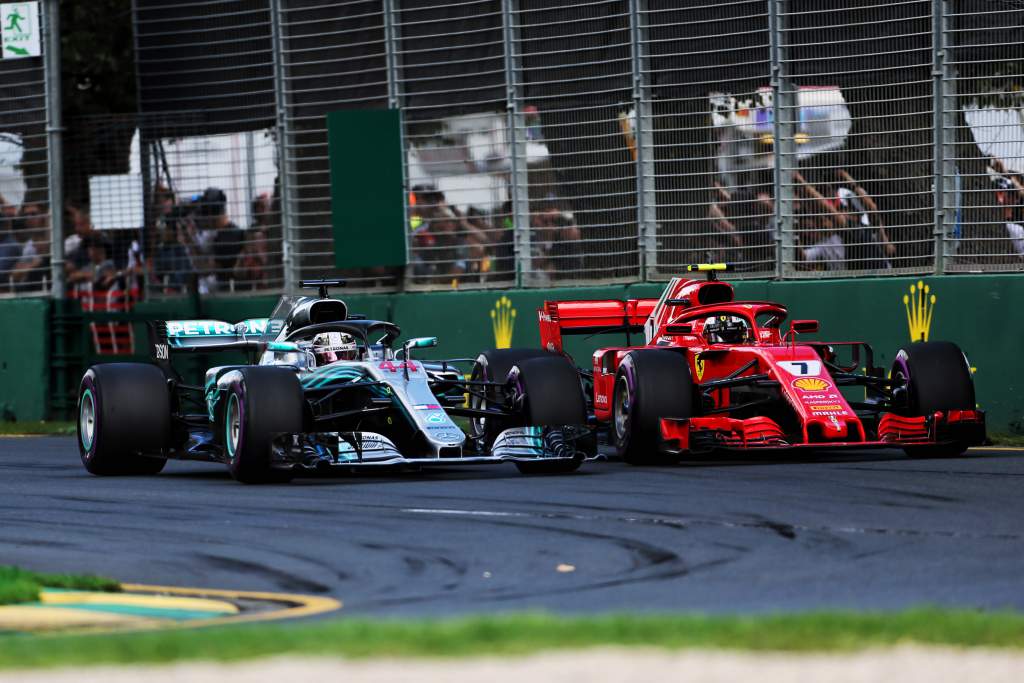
{"type": "Point", "coordinates": [726, 329]}
{"type": "Point", "coordinates": [329, 347]}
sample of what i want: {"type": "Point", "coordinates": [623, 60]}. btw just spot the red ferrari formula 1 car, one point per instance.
{"type": "Point", "coordinates": [719, 374]}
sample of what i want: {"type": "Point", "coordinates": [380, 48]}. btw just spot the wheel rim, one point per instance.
{"type": "Point", "coordinates": [232, 426]}
{"type": "Point", "coordinates": [87, 420]}
{"type": "Point", "coordinates": [622, 406]}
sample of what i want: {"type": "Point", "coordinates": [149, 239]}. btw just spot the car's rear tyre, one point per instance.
{"type": "Point", "coordinates": [552, 396]}
{"type": "Point", "coordinates": [936, 377]}
{"type": "Point", "coordinates": [494, 366]}
{"type": "Point", "coordinates": [650, 384]}
{"type": "Point", "coordinates": [261, 404]}
{"type": "Point", "coordinates": [124, 417]}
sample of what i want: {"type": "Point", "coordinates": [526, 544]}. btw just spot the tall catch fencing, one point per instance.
{"type": "Point", "coordinates": [29, 149]}
{"type": "Point", "coordinates": [544, 144]}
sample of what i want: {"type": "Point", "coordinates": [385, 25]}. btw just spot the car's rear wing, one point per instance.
{"type": "Point", "coordinates": [594, 316]}
{"type": "Point", "coordinates": [209, 335]}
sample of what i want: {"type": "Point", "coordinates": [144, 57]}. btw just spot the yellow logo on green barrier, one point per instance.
{"type": "Point", "coordinates": [920, 305]}
{"type": "Point", "coordinates": [503, 321]}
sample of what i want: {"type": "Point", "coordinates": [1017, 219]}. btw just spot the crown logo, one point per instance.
{"type": "Point", "coordinates": [920, 305]}
{"type": "Point", "coordinates": [503, 320]}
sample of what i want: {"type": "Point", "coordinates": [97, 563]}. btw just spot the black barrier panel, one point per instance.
{"type": "Point", "coordinates": [213, 56]}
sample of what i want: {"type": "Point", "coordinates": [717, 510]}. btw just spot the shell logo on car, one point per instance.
{"type": "Point", "coordinates": [811, 384]}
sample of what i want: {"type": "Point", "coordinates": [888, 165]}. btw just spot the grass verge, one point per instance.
{"type": "Point", "coordinates": [1007, 439]}
{"type": "Point", "coordinates": [43, 427]}
{"type": "Point", "coordinates": [523, 634]}
{"type": "Point", "coordinates": [20, 585]}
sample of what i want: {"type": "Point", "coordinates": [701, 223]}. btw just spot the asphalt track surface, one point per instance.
{"type": "Point", "coordinates": [861, 530]}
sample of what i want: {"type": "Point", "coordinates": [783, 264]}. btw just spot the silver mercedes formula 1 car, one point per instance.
{"type": "Point", "coordinates": [326, 390]}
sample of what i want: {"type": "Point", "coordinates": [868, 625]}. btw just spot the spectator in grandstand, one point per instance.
{"type": "Point", "coordinates": [866, 241]}
{"type": "Point", "coordinates": [10, 247]}
{"type": "Point", "coordinates": [820, 223]}
{"type": "Point", "coordinates": [554, 242]}
{"type": "Point", "coordinates": [170, 263]}
{"type": "Point", "coordinates": [1010, 197]}
{"type": "Point", "coordinates": [78, 224]}
{"type": "Point", "coordinates": [744, 216]}
{"type": "Point", "coordinates": [99, 272]}
{"type": "Point", "coordinates": [32, 272]}
{"type": "Point", "coordinates": [448, 247]}
{"type": "Point", "coordinates": [253, 260]}
{"type": "Point", "coordinates": [820, 246]}
{"type": "Point", "coordinates": [720, 222]}
{"type": "Point", "coordinates": [218, 237]}
{"type": "Point", "coordinates": [503, 243]}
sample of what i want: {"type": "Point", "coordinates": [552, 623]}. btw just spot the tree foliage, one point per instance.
{"type": "Point", "coordinates": [97, 57]}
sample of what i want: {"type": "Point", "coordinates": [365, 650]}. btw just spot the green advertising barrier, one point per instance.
{"type": "Point", "coordinates": [24, 358]}
{"type": "Point", "coordinates": [977, 312]}
{"type": "Point", "coordinates": [974, 311]}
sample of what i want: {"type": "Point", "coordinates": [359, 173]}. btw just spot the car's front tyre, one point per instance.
{"type": "Point", "coordinates": [935, 377]}
{"type": "Point", "coordinates": [262, 403]}
{"type": "Point", "coordinates": [650, 384]}
{"type": "Point", "coordinates": [551, 396]}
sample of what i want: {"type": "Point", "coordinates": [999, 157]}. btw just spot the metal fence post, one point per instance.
{"type": "Point", "coordinates": [943, 134]}
{"type": "Point", "coordinates": [646, 204]}
{"type": "Point", "coordinates": [783, 133]}
{"type": "Point", "coordinates": [54, 148]}
{"type": "Point", "coordinates": [392, 46]}
{"type": "Point", "coordinates": [288, 233]}
{"type": "Point", "coordinates": [518, 177]}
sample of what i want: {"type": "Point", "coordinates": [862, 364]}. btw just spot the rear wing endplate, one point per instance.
{"type": "Point", "coordinates": [594, 316]}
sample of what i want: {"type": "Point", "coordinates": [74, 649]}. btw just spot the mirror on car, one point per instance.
{"type": "Point", "coordinates": [804, 326]}
{"type": "Point", "coordinates": [282, 347]}
{"type": "Point", "coordinates": [678, 329]}
{"type": "Point", "coordinates": [421, 342]}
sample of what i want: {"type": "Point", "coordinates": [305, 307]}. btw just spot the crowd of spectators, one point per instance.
{"type": "Point", "coordinates": [838, 225]}
{"type": "Point", "coordinates": [196, 245]}
{"type": "Point", "coordinates": [24, 248]}
{"type": "Point", "coordinates": [192, 245]}
{"type": "Point", "coordinates": [1010, 200]}
{"type": "Point", "coordinates": [451, 245]}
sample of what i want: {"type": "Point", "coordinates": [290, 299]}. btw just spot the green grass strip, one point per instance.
{"type": "Point", "coordinates": [20, 585]}
{"type": "Point", "coordinates": [523, 634]}
{"type": "Point", "coordinates": [58, 428]}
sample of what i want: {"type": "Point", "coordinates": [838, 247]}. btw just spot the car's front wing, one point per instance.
{"type": "Point", "coordinates": [369, 449]}
{"type": "Point", "coordinates": [705, 434]}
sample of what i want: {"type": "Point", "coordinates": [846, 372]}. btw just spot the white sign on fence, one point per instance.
{"type": "Point", "coordinates": [115, 201]}
{"type": "Point", "coordinates": [19, 30]}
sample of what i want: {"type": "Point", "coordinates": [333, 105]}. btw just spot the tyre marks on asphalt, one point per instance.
{"type": "Point", "coordinates": [712, 535]}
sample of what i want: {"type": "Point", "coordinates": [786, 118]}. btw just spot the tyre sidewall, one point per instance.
{"type": "Point", "coordinates": [250, 462]}
{"type": "Point", "coordinates": [131, 417]}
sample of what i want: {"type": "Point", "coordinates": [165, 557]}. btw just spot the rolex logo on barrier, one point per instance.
{"type": "Point", "coordinates": [503, 320]}
{"type": "Point", "coordinates": [920, 305]}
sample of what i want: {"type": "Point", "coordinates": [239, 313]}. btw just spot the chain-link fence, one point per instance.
{"type": "Point", "coordinates": [28, 113]}
{"type": "Point", "coordinates": [544, 143]}
{"type": "Point", "coordinates": [982, 135]}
